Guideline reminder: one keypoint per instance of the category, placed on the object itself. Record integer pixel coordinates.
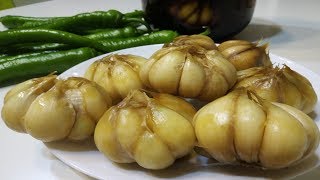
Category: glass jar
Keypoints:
(225, 18)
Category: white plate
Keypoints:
(87, 159)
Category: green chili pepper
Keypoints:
(16, 36)
(94, 31)
(42, 64)
(109, 45)
(135, 13)
(19, 56)
(35, 47)
(159, 37)
(12, 22)
(116, 33)
(19, 40)
(39, 46)
(93, 20)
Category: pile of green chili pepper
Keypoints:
(36, 46)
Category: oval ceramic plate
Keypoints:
(87, 159)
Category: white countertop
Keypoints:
(291, 26)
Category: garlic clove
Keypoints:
(165, 124)
(214, 130)
(106, 140)
(102, 76)
(217, 87)
(144, 72)
(192, 79)
(89, 101)
(247, 145)
(49, 117)
(175, 103)
(165, 73)
(129, 122)
(235, 50)
(123, 77)
(247, 59)
(95, 100)
(225, 67)
(19, 98)
(150, 152)
(91, 71)
(282, 129)
(290, 94)
(227, 44)
(82, 128)
(308, 95)
(312, 130)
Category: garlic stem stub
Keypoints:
(190, 72)
(117, 74)
(54, 109)
(281, 85)
(194, 40)
(243, 127)
(148, 128)
(244, 54)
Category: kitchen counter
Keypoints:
(292, 28)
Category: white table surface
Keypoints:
(292, 27)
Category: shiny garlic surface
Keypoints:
(189, 71)
(194, 40)
(19, 98)
(148, 128)
(117, 74)
(280, 85)
(244, 54)
(69, 109)
(242, 127)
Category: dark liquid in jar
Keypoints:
(225, 18)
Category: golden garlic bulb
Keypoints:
(195, 40)
(18, 99)
(66, 109)
(117, 74)
(192, 13)
(243, 54)
(280, 85)
(150, 129)
(189, 71)
(242, 127)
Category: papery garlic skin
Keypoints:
(241, 127)
(279, 85)
(18, 99)
(145, 130)
(117, 74)
(194, 40)
(243, 54)
(51, 109)
(189, 71)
